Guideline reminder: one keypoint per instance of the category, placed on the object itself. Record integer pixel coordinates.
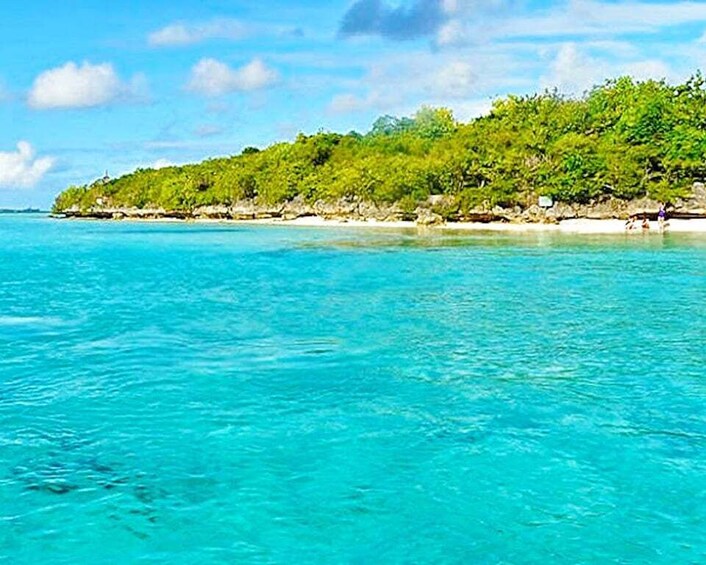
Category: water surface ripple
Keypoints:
(220, 394)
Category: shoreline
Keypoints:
(574, 226)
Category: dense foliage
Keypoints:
(625, 138)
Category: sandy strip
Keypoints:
(618, 226)
(578, 226)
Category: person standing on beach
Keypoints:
(662, 217)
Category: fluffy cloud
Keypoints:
(161, 164)
(574, 71)
(84, 86)
(187, 34)
(432, 78)
(20, 168)
(470, 109)
(399, 84)
(453, 32)
(375, 17)
(214, 78)
(456, 79)
(650, 69)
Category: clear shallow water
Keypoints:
(187, 394)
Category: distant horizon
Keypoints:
(26, 209)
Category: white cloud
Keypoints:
(613, 48)
(463, 109)
(20, 168)
(648, 15)
(84, 86)
(702, 39)
(453, 32)
(449, 6)
(161, 164)
(573, 71)
(456, 79)
(347, 103)
(470, 7)
(650, 69)
(467, 110)
(572, 18)
(214, 78)
(186, 34)
(399, 84)
(397, 81)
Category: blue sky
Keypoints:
(114, 85)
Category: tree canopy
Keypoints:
(625, 139)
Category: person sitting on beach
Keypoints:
(645, 222)
(630, 223)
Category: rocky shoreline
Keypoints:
(437, 210)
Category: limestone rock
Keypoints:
(533, 214)
(296, 208)
(217, 212)
(243, 210)
(343, 208)
(478, 214)
(694, 206)
(643, 206)
(560, 211)
(426, 217)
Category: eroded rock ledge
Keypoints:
(436, 210)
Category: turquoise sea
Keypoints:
(224, 394)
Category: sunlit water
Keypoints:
(189, 393)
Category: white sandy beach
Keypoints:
(578, 226)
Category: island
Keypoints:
(21, 211)
(624, 148)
